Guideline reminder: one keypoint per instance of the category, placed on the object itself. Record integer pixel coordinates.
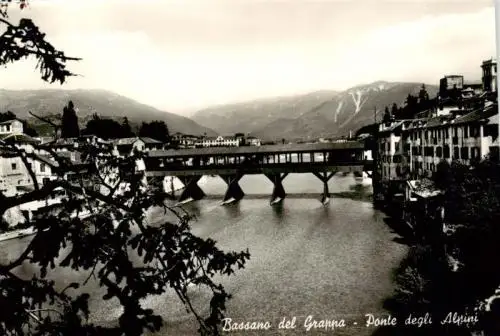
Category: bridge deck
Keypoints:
(305, 167)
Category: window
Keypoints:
(42, 167)
(446, 152)
(494, 153)
(429, 151)
(464, 153)
(456, 152)
(474, 153)
(466, 131)
(13, 166)
(439, 152)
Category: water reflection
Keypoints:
(306, 258)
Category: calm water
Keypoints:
(331, 262)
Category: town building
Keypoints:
(448, 85)
(11, 126)
(184, 140)
(126, 146)
(489, 75)
(253, 141)
(219, 141)
(462, 128)
(16, 175)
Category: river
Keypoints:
(331, 262)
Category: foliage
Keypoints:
(130, 258)
(106, 128)
(471, 204)
(387, 116)
(412, 106)
(113, 241)
(69, 127)
(25, 40)
(126, 129)
(157, 130)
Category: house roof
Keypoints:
(19, 138)
(477, 115)
(46, 159)
(392, 127)
(148, 140)
(10, 121)
(132, 140)
(265, 149)
(62, 142)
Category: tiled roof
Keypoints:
(265, 149)
(9, 121)
(62, 142)
(480, 114)
(476, 115)
(130, 141)
(125, 141)
(150, 140)
(46, 159)
(19, 138)
(392, 127)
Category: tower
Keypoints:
(489, 75)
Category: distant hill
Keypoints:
(87, 102)
(257, 114)
(329, 114)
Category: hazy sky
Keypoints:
(182, 55)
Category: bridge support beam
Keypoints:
(278, 190)
(191, 189)
(325, 177)
(234, 192)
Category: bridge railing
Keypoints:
(165, 166)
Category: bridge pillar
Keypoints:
(191, 188)
(325, 177)
(278, 190)
(234, 192)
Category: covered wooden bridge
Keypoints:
(274, 161)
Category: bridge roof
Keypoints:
(265, 149)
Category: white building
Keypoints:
(15, 176)
(253, 141)
(463, 138)
(11, 126)
(390, 150)
(219, 142)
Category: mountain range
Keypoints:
(321, 114)
(87, 102)
(305, 116)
